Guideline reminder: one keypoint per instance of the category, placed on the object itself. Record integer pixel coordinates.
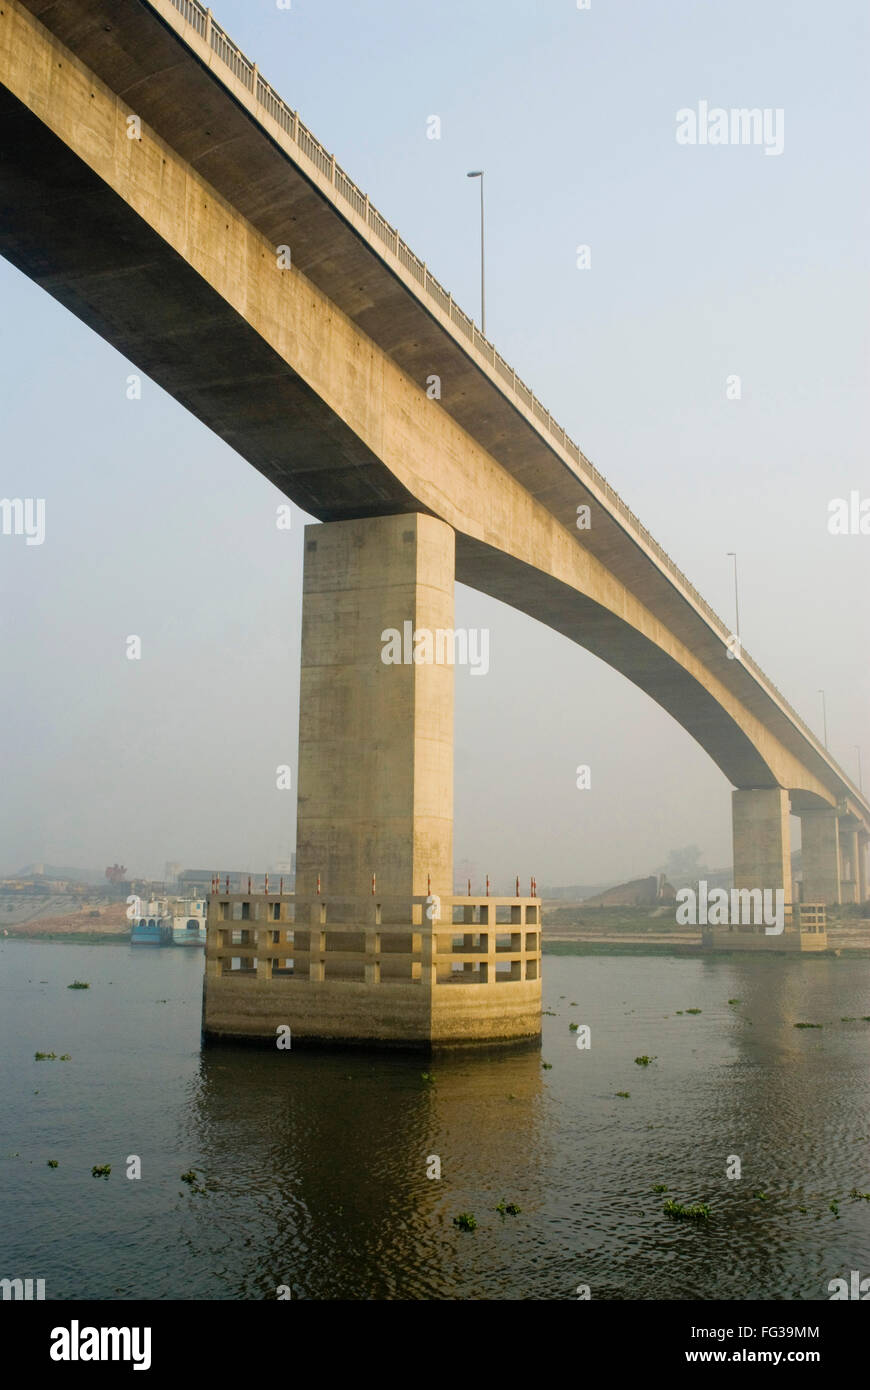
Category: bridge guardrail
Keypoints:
(200, 18)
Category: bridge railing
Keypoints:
(200, 18)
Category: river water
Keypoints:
(312, 1167)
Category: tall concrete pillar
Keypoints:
(762, 839)
(375, 785)
(849, 862)
(820, 856)
(863, 841)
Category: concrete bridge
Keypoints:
(154, 183)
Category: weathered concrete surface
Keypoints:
(375, 739)
(316, 375)
(820, 856)
(849, 869)
(762, 839)
(342, 989)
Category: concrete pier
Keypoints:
(762, 861)
(470, 975)
(849, 869)
(762, 839)
(820, 853)
(374, 949)
(375, 789)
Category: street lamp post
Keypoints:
(824, 716)
(478, 174)
(860, 779)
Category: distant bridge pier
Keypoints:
(762, 860)
(863, 840)
(820, 855)
(849, 866)
(762, 838)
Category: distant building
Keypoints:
(199, 880)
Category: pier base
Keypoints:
(374, 950)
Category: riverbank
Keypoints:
(88, 924)
(575, 930)
(566, 931)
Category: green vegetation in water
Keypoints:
(835, 1207)
(864, 1196)
(660, 1187)
(865, 1018)
(734, 1001)
(644, 1061)
(465, 1221)
(427, 1076)
(79, 984)
(623, 1094)
(101, 1170)
(693, 1011)
(547, 1066)
(573, 1004)
(65, 1057)
(761, 1196)
(548, 1013)
(192, 1180)
(699, 1212)
(573, 1027)
(45, 1056)
(679, 1011)
(809, 1025)
(848, 1018)
(52, 1163)
(510, 1208)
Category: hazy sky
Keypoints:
(706, 261)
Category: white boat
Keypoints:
(188, 921)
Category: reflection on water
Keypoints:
(314, 1165)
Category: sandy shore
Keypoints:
(109, 921)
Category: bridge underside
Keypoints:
(67, 229)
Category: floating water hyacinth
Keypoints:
(699, 1212)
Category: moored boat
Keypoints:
(151, 926)
(188, 922)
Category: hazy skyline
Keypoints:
(705, 262)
